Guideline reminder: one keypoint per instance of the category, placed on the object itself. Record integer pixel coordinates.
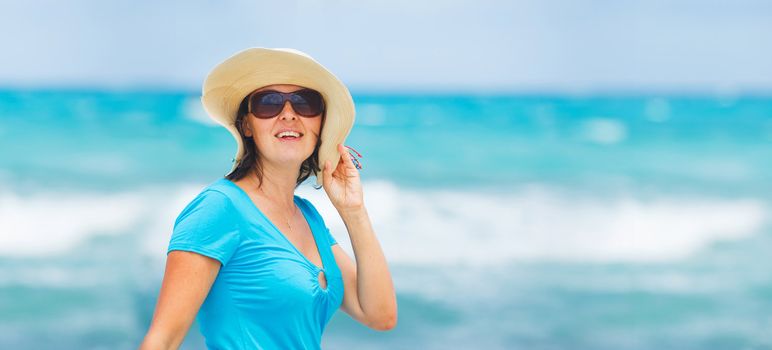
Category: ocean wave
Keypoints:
(52, 222)
(417, 226)
(539, 222)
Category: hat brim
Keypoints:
(233, 79)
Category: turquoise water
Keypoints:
(510, 221)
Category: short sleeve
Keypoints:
(208, 225)
(319, 220)
(330, 237)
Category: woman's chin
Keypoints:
(295, 159)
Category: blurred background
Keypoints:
(541, 174)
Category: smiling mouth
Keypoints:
(288, 138)
(289, 135)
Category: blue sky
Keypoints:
(592, 45)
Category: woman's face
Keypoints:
(283, 150)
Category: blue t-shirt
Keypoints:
(267, 294)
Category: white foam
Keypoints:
(428, 227)
(53, 222)
(539, 223)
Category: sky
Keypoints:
(398, 45)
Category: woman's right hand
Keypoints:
(186, 283)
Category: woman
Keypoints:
(253, 261)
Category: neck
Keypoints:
(278, 183)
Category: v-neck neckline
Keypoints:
(276, 229)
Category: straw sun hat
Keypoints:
(234, 78)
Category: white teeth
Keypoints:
(288, 133)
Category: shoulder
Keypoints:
(308, 206)
(209, 202)
(305, 202)
(214, 195)
(208, 226)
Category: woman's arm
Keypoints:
(186, 283)
(369, 293)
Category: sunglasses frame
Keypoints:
(286, 96)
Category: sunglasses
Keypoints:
(269, 103)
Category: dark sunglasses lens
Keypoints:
(267, 105)
(307, 103)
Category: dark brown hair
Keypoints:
(251, 157)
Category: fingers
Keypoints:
(329, 173)
(345, 157)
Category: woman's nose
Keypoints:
(287, 112)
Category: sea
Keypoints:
(509, 220)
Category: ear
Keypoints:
(245, 126)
